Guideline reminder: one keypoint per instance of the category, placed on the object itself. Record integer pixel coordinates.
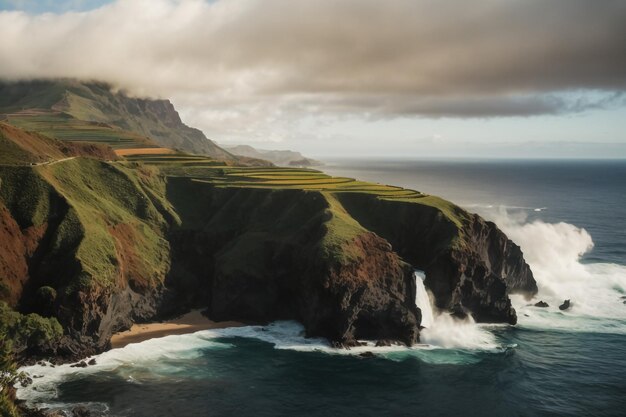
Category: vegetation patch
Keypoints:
(103, 197)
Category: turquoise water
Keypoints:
(569, 218)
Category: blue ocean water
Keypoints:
(570, 219)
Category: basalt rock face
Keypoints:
(262, 255)
(470, 264)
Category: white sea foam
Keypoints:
(137, 355)
(554, 251)
(444, 331)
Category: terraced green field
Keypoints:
(64, 127)
(219, 174)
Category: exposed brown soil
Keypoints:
(42, 148)
(88, 150)
(131, 266)
(16, 247)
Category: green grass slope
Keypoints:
(20, 147)
(64, 127)
(94, 228)
(217, 174)
(119, 221)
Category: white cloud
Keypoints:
(244, 65)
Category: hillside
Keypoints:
(73, 110)
(278, 157)
(20, 147)
(99, 245)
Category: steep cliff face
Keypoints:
(159, 120)
(470, 264)
(261, 255)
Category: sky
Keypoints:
(350, 78)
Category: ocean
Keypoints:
(569, 217)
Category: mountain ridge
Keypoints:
(96, 102)
(278, 157)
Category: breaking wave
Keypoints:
(554, 252)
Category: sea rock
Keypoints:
(81, 411)
(81, 364)
(26, 381)
(542, 304)
(383, 342)
(40, 413)
(92, 362)
(566, 304)
(459, 312)
(367, 354)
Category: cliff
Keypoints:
(470, 264)
(262, 255)
(122, 242)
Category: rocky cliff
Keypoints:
(470, 264)
(262, 255)
(102, 245)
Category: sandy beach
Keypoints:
(191, 322)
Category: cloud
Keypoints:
(377, 58)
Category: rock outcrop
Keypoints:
(469, 263)
(260, 255)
